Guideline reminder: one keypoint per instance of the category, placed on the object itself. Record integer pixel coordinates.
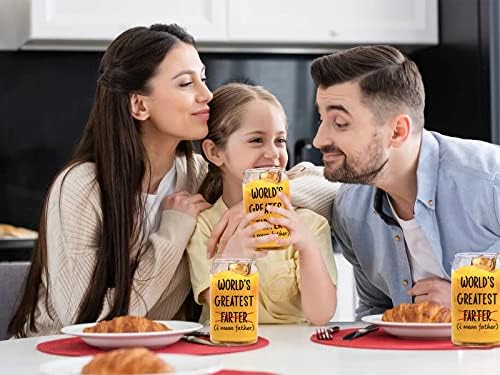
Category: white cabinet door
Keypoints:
(104, 19)
(334, 21)
(92, 24)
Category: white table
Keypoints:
(291, 352)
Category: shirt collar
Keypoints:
(428, 170)
(381, 207)
(220, 204)
(427, 176)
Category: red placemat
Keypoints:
(381, 340)
(237, 372)
(75, 346)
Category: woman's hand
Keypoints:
(301, 236)
(184, 202)
(242, 243)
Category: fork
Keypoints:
(323, 334)
(326, 333)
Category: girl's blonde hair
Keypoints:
(226, 112)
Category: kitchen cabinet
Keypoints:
(16, 249)
(92, 24)
(220, 25)
(97, 19)
(334, 21)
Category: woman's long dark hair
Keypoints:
(112, 141)
(226, 112)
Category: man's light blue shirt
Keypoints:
(457, 206)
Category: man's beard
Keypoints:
(347, 173)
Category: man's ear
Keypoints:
(401, 130)
(212, 152)
(139, 107)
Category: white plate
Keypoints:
(183, 365)
(124, 340)
(411, 330)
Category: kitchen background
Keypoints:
(45, 96)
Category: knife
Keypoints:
(199, 340)
(360, 332)
(202, 341)
(199, 334)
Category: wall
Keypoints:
(457, 73)
(45, 100)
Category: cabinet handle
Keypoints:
(333, 33)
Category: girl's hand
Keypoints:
(242, 243)
(301, 236)
(184, 202)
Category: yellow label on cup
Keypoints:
(259, 193)
(234, 307)
(475, 305)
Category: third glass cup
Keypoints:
(475, 305)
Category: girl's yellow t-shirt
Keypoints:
(279, 292)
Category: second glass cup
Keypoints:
(234, 301)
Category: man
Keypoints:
(413, 198)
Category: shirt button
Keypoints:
(397, 237)
(430, 202)
(405, 282)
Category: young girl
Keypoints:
(248, 129)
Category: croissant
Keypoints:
(423, 312)
(127, 323)
(127, 361)
(10, 231)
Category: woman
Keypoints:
(96, 257)
(116, 221)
